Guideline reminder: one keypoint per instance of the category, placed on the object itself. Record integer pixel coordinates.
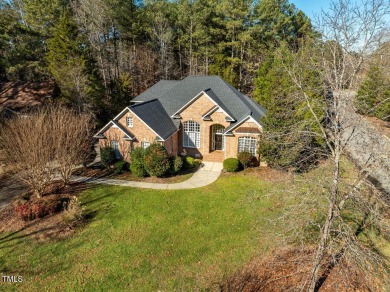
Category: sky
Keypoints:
(311, 7)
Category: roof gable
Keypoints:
(230, 100)
(127, 135)
(155, 117)
(211, 95)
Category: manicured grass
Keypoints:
(148, 240)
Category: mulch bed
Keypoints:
(48, 227)
(97, 172)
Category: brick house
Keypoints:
(201, 116)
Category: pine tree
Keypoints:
(373, 97)
(21, 47)
(290, 133)
(67, 60)
(279, 21)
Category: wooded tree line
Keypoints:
(101, 53)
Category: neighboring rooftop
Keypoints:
(19, 96)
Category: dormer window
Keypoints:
(129, 122)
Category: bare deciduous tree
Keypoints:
(49, 139)
(73, 139)
(350, 33)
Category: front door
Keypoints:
(217, 137)
(218, 141)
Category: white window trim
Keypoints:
(129, 118)
(196, 133)
(143, 143)
(249, 145)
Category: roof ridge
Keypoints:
(143, 103)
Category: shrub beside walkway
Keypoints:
(207, 173)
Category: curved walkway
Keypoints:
(207, 173)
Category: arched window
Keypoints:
(191, 134)
(247, 144)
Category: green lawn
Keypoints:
(150, 240)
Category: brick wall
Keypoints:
(114, 133)
(195, 112)
(140, 131)
(232, 141)
(174, 144)
(171, 144)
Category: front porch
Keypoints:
(214, 156)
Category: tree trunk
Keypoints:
(328, 223)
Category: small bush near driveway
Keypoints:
(30, 210)
(73, 211)
(188, 162)
(231, 165)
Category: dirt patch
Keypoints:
(49, 227)
(289, 269)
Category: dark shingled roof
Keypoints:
(156, 90)
(158, 105)
(155, 116)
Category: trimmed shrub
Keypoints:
(107, 155)
(231, 165)
(137, 166)
(156, 160)
(197, 162)
(246, 158)
(188, 162)
(138, 169)
(176, 164)
(121, 166)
